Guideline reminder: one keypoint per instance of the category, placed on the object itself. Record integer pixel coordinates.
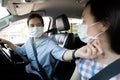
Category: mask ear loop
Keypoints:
(94, 24)
(98, 35)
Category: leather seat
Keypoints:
(62, 37)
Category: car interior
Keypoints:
(61, 17)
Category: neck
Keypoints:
(36, 39)
(108, 55)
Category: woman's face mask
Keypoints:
(35, 31)
(82, 33)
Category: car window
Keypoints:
(17, 32)
(4, 12)
(74, 23)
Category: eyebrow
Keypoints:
(39, 23)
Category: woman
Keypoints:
(47, 49)
(101, 25)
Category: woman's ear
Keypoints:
(105, 25)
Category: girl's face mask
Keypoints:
(82, 33)
(35, 31)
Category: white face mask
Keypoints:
(35, 31)
(82, 33)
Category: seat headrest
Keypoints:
(62, 23)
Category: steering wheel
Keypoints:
(8, 67)
(10, 57)
(5, 58)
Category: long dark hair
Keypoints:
(108, 11)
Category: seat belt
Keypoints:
(108, 72)
(42, 72)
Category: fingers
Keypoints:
(88, 49)
(98, 46)
(92, 51)
(2, 41)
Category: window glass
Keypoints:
(74, 23)
(17, 32)
(4, 12)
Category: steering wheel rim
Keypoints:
(4, 54)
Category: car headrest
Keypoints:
(62, 23)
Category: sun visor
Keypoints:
(6, 2)
(20, 7)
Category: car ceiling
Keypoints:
(71, 8)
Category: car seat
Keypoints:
(64, 39)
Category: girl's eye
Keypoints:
(31, 25)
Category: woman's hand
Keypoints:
(3, 40)
(11, 45)
(90, 51)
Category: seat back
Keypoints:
(62, 37)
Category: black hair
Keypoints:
(35, 15)
(108, 11)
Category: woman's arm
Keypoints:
(76, 75)
(19, 50)
(83, 52)
(89, 51)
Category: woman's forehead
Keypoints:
(86, 15)
(35, 20)
(86, 12)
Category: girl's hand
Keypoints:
(90, 51)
